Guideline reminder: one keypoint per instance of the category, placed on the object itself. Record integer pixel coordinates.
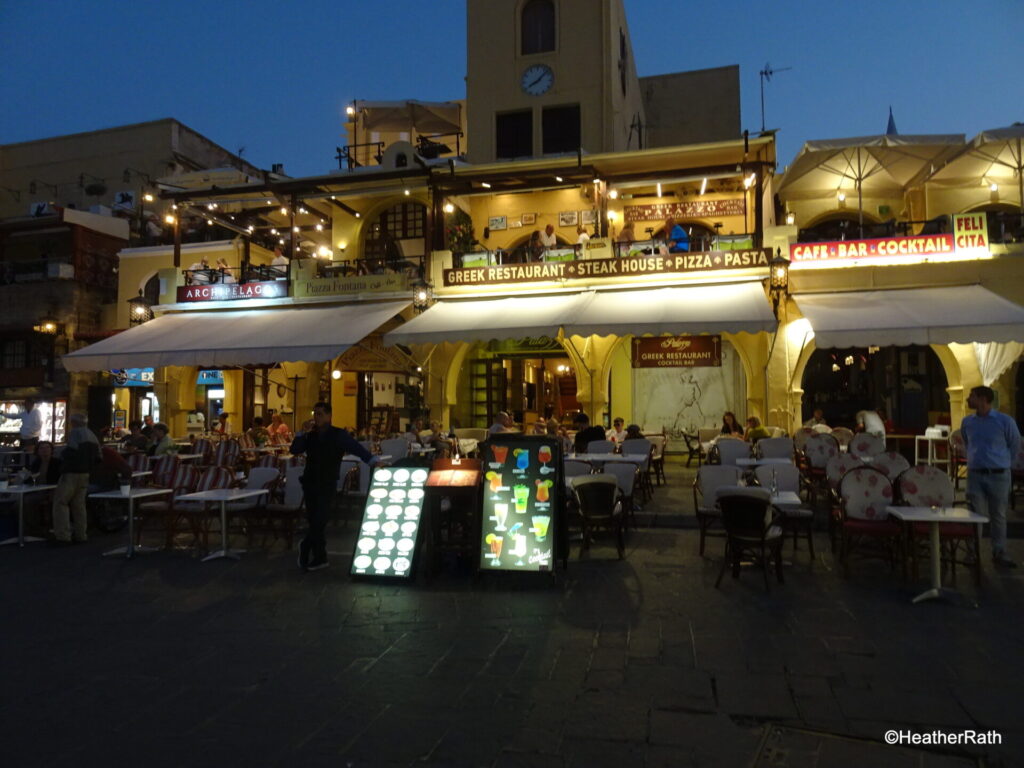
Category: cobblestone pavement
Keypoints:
(167, 661)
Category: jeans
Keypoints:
(318, 506)
(990, 495)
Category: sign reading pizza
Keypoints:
(678, 352)
(624, 266)
(272, 289)
(690, 209)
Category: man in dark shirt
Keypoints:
(324, 446)
(585, 433)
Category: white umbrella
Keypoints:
(993, 156)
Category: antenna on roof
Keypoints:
(766, 75)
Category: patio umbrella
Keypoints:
(993, 156)
(878, 166)
(423, 116)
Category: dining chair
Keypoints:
(396, 448)
(749, 530)
(957, 457)
(836, 468)
(600, 507)
(641, 446)
(709, 478)
(601, 446)
(775, 448)
(864, 494)
(659, 443)
(183, 481)
(843, 436)
(727, 451)
(795, 519)
(283, 516)
(893, 464)
(867, 445)
(625, 474)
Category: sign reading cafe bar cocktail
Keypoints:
(624, 266)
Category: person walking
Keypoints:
(324, 446)
(79, 458)
(992, 441)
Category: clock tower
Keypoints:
(548, 77)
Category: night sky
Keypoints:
(274, 77)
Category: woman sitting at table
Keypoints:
(730, 426)
(258, 432)
(755, 431)
(135, 440)
(633, 432)
(44, 466)
(279, 431)
(222, 428)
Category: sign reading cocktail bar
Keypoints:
(625, 266)
(678, 352)
(272, 289)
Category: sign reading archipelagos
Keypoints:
(272, 289)
(625, 266)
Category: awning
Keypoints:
(728, 308)
(246, 337)
(724, 308)
(960, 314)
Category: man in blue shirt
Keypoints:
(992, 441)
(678, 240)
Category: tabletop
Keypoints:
(786, 499)
(758, 462)
(936, 514)
(26, 488)
(136, 493)
(223, 494)
(146, 473)
(636, 458)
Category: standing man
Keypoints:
(79, 458)
(31, 425)
(871, 422)
(678, 239)
(324, 446)
(992, 441)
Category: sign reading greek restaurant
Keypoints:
(329, 286)
(678, 352)
(273, 289)
(970, 234)
(625, 266)
(690, 209)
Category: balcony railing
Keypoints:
(35, 271)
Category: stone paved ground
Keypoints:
(166, 661)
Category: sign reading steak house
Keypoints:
(273, 289)
(625, 266)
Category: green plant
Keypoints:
(458, 228)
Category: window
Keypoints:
(514, 135)
(402, 221)
(538, 27)
(560, 128)
(15, 354)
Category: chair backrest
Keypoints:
(163, 469)
(471, 433)
(573, 468)
(293, 494)
(343, 473)
(866, 445)
(624, 473)
(774, 448)
(801, 437)
(184, 480)
(893, 464)
(139, 462)
(267, 460)
(659, 442)
(745, 511)
(204, 448)
(730, 450)
(245, 441)
(596, 495)
(843, 435)
(397, 448)
(865, 493)
(838, 466)
(261, 477)
(957, 449)
(215, 478)
(819, 448)
(787, 476)
(713, 476)
(601, 446)
(707, 434)
(925, 486)
(226, 454)
(638, 445)
(368, 445)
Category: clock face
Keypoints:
(537, 79)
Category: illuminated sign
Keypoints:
(386, 544)
(634, 264)
(329, 286)
(133, 377)
(677, 352)
(520, 510)
(691, 209)
(272, 289)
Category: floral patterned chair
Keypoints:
(864, 493)
(835, 470)
(893, 464)
(819, 448)
(711, 477)
(801, 437)
(957, 457)
(867, 446)
(843, 435)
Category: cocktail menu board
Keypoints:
(386, 545)
(522, 483)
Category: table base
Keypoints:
(129, 552)
(21, 541)
(947, 595)
(233, 554)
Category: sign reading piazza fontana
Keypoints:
(625, 266)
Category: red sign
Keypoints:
(677, 352)
(273, 289)
(922, 245)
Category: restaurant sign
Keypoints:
(689, 209)
(625, 266)
(272, 289)
(970, 234)
(330, 286)
(677, 352)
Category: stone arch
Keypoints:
(371, 215)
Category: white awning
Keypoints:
(246, 337)
(959, 314)
(728, 308)
(723, 308)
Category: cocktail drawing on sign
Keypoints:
(500, 454)
(544, 457)
(495, 542)
(543, 496)
(522, 498)
(494, 478)
(500, 516)
(540, 526)
(522, 458)
(518, 549)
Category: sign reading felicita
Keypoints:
(678, 352)
(633, 265)
(271, 289)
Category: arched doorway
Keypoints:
(701, 238)
(404, 221)
(1005, 222)
(906, 384)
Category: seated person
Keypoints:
(678, 240)
(633, 432)
(279, 431)
(258, 432)
(163, 444)
(548, 239)
(111, 472)
(412, 435)
(585, 433)
(135, 440)
(502, 423)
(817, 419)
(755, 431)
(539, 428)
(730, 426)
(225, 271)
(222, 427)
(44, 466)
(279, 264)
(200, 272)
(618, 431)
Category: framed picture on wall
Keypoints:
(529, 218)
(568, 218)
(588, 216)
(515, 223)
(497, 223)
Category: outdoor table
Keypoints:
(263, 449)
(181, 456)
(224, 495)
(934, 516)
(137, 475)
(601, 458)
(759, 462)
(785, 499)
(135, 493)
(20, 491)
(423, 451)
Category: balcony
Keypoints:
(34, 271)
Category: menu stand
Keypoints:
(452, 528)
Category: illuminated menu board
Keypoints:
(522, 476)
(386, 544)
